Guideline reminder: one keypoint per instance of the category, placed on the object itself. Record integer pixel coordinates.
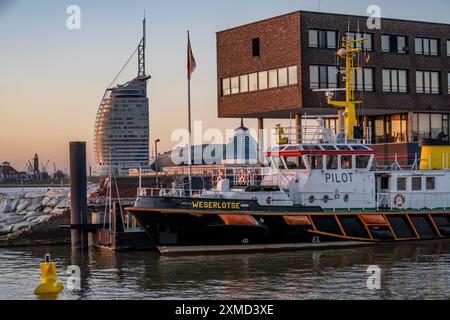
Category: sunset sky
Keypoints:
(52, 78)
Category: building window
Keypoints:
(243, 82)
(292, 75)
(448, 81)
(253, 81)
(390, 129)
(393, 44)
(427, 46)
(448, 48)
(234, 85)
(322, 77)
(256, 47)
(283, 77)
(322, 39)
(427, 82)
(226, 88)
(273, 78)
(262, 80)
(426, 125)
(416, 183)
(395, 80)
(364, 79)
(368, 45)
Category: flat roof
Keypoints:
(332, 14)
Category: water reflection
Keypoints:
(409, 271)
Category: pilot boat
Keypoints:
(318, 191)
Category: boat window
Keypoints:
(275, 149)
(416, 184)
(329, 148)
(277, 163)
(430, 183)
(332, 162)
(362, 162)
(311, 148)
(343, 147)
(384, 182)
(401, 184)
(346, 162)
(359, 148)
(315, 162)
(295, 163)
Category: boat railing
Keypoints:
(318, 134)
(168, 192)
(353, 200)
(250, 176)
(412, 161)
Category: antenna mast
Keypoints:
(141, 52)
(349, 52)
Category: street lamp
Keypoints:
(156, 161)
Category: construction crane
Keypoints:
(44, 168)
(30, 168)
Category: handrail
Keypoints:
(356, 200)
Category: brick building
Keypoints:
(268, 69)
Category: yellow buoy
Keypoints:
(49, 278)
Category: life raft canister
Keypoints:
(399, 200)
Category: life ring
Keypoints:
(399, 200)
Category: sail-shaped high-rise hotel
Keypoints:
(121, 137)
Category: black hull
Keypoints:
(174, 226)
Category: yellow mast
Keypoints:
(349, 51)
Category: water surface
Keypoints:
(409, 271)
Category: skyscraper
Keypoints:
(121, 137)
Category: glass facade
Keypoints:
(396, 128)
(262, 80)
(389, 129)
(121, 137)
(429, 125)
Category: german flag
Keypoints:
(190, 59)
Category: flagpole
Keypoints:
(190, 130)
